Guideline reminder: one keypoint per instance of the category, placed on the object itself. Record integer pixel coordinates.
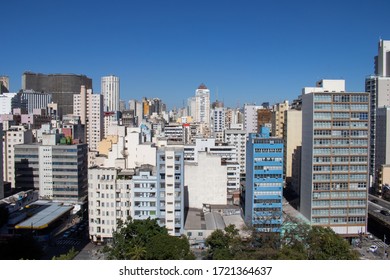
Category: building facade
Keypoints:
(170, 182)
(202, 105)
(61, 86)
(89, 107)
(335, 158)
(57, 169)
(264, 182)
(111, 93)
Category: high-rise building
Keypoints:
(89, 107)
(170, 182)
(202, 104)
(278, 118)
(61, 86)
(250, 118)
(378, 86)
(382, 144)
(12, 137)
(237, 138)
(335, 157)
(111, 93)
(292, 136)
(133, 193)
(264, 182)
(57, 169)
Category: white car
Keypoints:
(373, 248)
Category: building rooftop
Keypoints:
(46, 213)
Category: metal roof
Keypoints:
(46, 213)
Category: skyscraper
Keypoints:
(378, 85)
(335, 154)
(89, 107)
(111, 94)
(202, 104)
(264, 182)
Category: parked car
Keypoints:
(373, 248)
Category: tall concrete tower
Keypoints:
(111, 93)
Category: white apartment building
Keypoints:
(170, 182)
(9, 101)
(118, 194)
(250, 118)
(89, 107)
(202, 105)
(111, 93)
(14, 136)
(237, 138)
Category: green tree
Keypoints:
(324, 244)
(145, 239)
(166, 247)
(72, 253)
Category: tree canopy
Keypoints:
(146, 240)
(297, 242)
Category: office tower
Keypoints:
(111, 93)
(278, 118)
(170, 182)
(59, 170)
(335, 141)
(202, 104)
(12, 137)
(378, 86)
(34, 100)
(264, 182)
(250, 118)
(61, 86)
(89, 107)
(292, 137)
(1, 165)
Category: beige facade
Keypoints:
(278, 118)
(292, 136)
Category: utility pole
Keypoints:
(384, 247)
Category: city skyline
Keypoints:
(244, 52)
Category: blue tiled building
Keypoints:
(264, 182)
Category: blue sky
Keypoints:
(247, 51)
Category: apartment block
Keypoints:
(170, 181)
(335, 159)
